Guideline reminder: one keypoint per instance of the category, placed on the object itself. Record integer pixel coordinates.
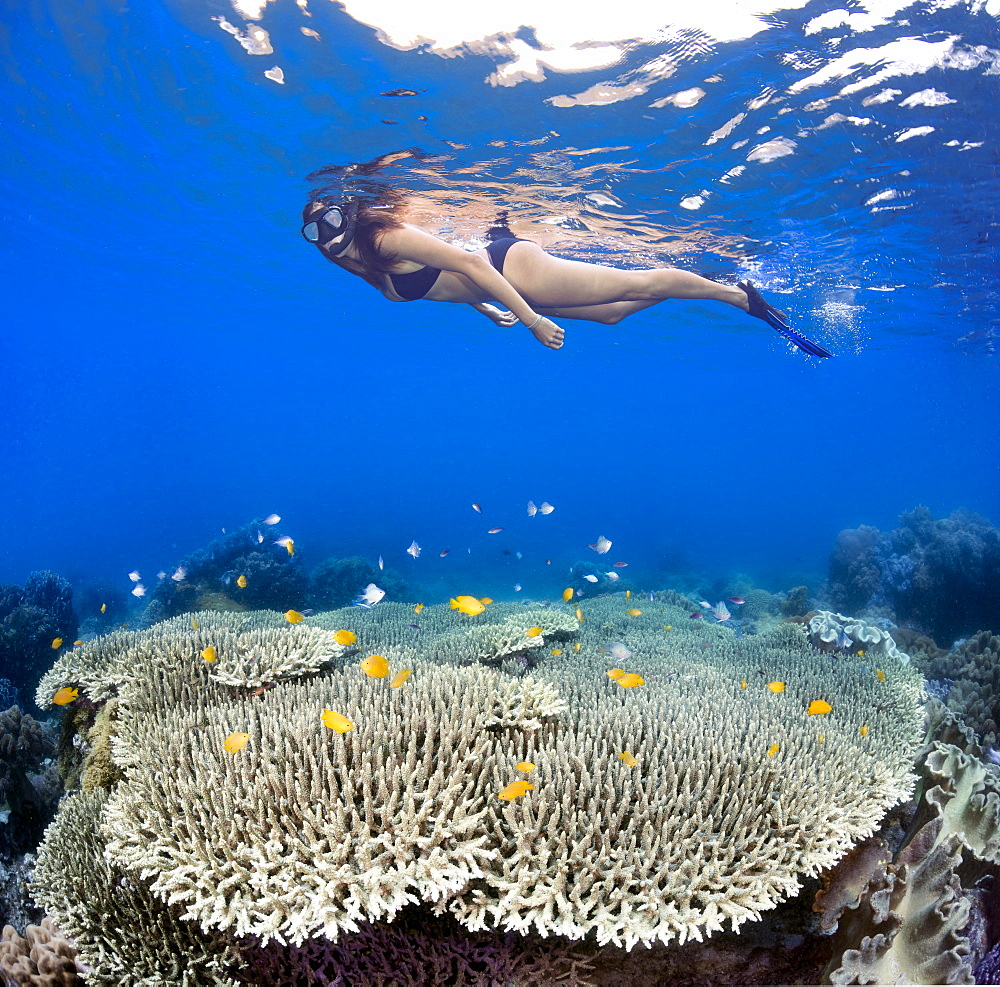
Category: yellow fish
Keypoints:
(668, 627)
(209, 654)
(236, 742)
(294, 617)
(65, 696)
(194, 625)
(557, 651)
(630, 679)
(772, 750)
(861, 654)
(524, 766)
(628, 595)
(76, 644)
(56, 642)
(818, 707)
(104, 608)
(880, 674)
(288, 543)
(486, 600)
(576, 647)
(776, 686)
(336, 721)
(345, 637)
(533, 632)
(375, 667)
(635, 612)
(743, 684)
(418, 608)
(567, 594)
(514, 790)
(863, 730)
(467, 604)
(241, 581)
(400, 677)
(822, 737)
(616, 673)
(579, 615)
(628, 759)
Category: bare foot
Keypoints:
(548, 333)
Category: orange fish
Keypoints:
(400, 677)
(630, 680)
(628, 595)
(209, 654)
(65, 696)
(533, 632)
(628, 759)
(486, 600)
(104, 608)
(616, 673)
(467, 605)
(524, 766)
(818, 707)
(772, 750)
(776, 686)
(241, 581)
(418, 608)
(336, 721)
(56, 642)
(579, 615)
(514, 790)
(567, 594)
(345, 637)
(743, 684)
(375, 667)
(76, 644)
(236, 742)
(635, 612)
(863, 730)
(294, 617)
(287, 542)
(880, 674)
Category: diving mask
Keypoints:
(333, 230)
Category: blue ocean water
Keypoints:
(176, 361)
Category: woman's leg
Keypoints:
(609, 315)
(552, 283)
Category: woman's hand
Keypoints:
(547, 333)
(496, 315)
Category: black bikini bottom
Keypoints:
(496, 250)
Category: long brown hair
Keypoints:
(379, 209)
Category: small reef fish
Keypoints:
(77, 644)
(180, 574)
(739, 601)
(576, 647)
(618, 565)
(628, 759)
(601, 546)
(161, 574)
(514, 790)
(705, 604)
(209, 653)
(414, 549)
(134, 576)
(532, 510)
(443, 552)
(370, 595)
(818, 707)
(104, 608)
(416, 627)
(467, 605)
(629, 680)
(260, 537)
(241, 581)
(533, 632)
(696, 615)
(381, 564)
(628, 595)
(863, 730)
(345, 638)
(65, 696)
(578, 613)
(743, 683)
(236, 742)
(271, 519)
(772, 750)
(635, 612)
(545, 507)
(611, 575)
(418, 608)
(720, 611)
(486, 600)
(294, 617)
(843, 641)
(400, 677)
(619, 652)
(56, 643)
(590, 578)
(776, 686)
(375, 667)
(557, 651)
(524, 766)
(567, 594)
(668, 627)
(336, 721)
(548, 561)
(351, 653)
(286, 543)
(615, 673)
(478, 508)
(139, 590)
(517, 587)
(494, 531)
(880, 675)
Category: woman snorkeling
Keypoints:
(364, 233)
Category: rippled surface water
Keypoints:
(178, 356)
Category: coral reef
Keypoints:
(42, 957)
(941, 577)
(336, 583)
(31, 619)
(307, 833)
(29, 788)
(973, 672)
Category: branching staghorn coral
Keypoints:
(737, 794)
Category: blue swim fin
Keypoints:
(760, 309)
